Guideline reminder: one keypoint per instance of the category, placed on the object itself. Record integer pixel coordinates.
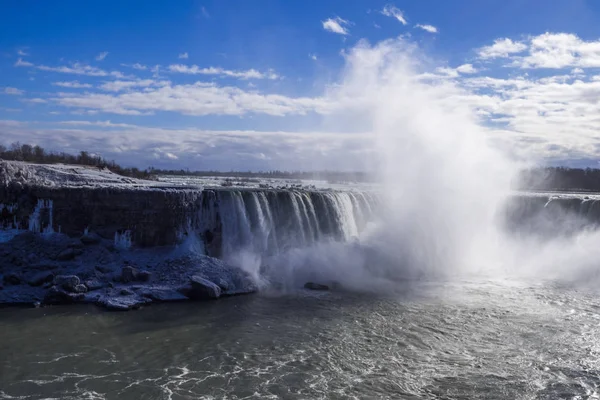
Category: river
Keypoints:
(464, 339)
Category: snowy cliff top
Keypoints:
(61, 175)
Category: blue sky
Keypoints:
(244, 84)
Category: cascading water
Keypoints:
(271, 222)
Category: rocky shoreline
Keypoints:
(49, 269)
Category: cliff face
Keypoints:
(73, 200)
(153, 217)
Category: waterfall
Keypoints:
(268, 222)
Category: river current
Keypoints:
(464, 339)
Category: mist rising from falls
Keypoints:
(441, 209)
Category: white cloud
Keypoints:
(103, 124)
(428, 28)
(138, 66)
(36, 100)
(117, 86)
(21, 63)
(13, 91)
(313, 57)
(184, 56)
(194, 99)
(560, 50)
(394, 12)
(248, 74)
(336, 25)
(80, 69)
(73, 85)
(577, 71)
(75, 69)
(22, 53)
(101, 56)
(205, 13)
(466, 69)
(501, 48)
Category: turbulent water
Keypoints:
(468, 339)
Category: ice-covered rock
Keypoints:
(201, 288)
(94, 284)
(67, 282)
(57, 295)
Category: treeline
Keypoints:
(331, 176)
(38, 155)
(560, 179)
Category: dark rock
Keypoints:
(40, 278)
(144, 276)
(66, 255)
(57, 295)
(11, 279)
(202, 288)
(105, 269)
(94, 284)
(126, 292)
(163, 294)
(81, 288)
(90, 238)
(315, 286)
(121, 303)
(129, 274)
(67, 282)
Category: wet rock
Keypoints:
(11, 279)
(126, 292)
(67, 282)
(163, 294)
(94, 284)
(56, 295)
(66, 255)
(202, 288)
(41, 278)
(315, 286)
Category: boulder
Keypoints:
(105, 269)
(67, 282)
(202, 288)
(66, 254)
(131, 274)
(126, 292)
(94, 284)
(162, 294)
(57, 295)
(122, 303)
(81, 288)
(144, 276)
(41, 278)
(11, 279)
(315, 286)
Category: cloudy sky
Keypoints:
(237, 84)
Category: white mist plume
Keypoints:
(444, 190)
(443, 182)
